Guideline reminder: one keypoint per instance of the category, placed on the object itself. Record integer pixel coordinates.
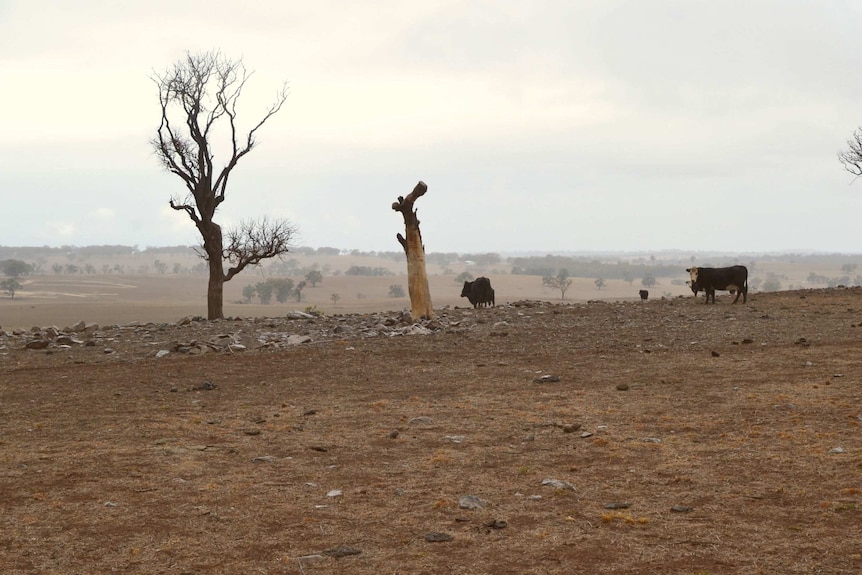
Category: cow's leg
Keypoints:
(734, 289)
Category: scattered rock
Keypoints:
(295, 314)
(471, 502)
(421, 420)
(622, 387)
(496, 524)
(558, 484)
(616, 505)
(715, 354)
(341, 551)
(437, 537)
(680, 509)
(547, 379)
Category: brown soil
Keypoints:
(686, 439)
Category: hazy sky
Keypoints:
(544, 125)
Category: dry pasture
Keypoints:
(685, 438)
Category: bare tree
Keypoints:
(417, 276)
(201, 92)
(561, 281)
(852, 156)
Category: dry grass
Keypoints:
(106, 469)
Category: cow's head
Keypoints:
(693, 272)
(468, 288)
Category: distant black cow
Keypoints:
(479, 292)
(734, 278)
(644, 294)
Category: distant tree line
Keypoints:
(552, 266)
(280, 288)
(368, 271)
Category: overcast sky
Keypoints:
(547, 125)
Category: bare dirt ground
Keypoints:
(606, 437)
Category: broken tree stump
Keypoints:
(417, 277)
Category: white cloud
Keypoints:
(106, 214)
(59, 232)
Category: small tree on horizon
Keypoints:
(463, 277)
(298, 291)
(15, 268)
(283, 288)
(248, 292)
(10, 286)
(772, 283)
(314, 277)
(198, 98)
(561, 281)
(264, 291)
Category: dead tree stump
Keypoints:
(417, 277)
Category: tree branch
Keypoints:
(254, 241)
(405, 205)
(852, 157)
(190, 210)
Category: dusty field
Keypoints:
(683, 438)
(64, 300)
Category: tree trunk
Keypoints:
(215, 291)
(417, 277)
(215, 287)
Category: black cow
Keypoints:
(479, 292)
(734, 278)
(644, 294)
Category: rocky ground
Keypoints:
(607, 437)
